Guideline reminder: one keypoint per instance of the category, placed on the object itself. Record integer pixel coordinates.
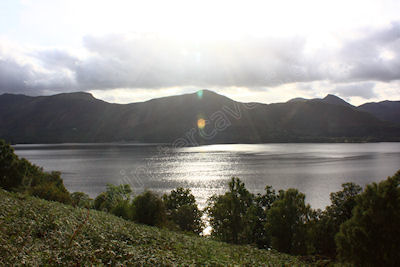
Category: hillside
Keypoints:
(79, 117)
(385, 110)
(329, 99)
(388, 111)
(38, 232)
(334, 100)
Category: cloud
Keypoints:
(33, 72)
(13, 76)
(56, 59)
(376, 56)
(364, 90)
(151, 61)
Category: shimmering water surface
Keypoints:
(315, 169)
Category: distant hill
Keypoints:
(334, 100)
(79, 117)
(385, 110)
(297, 99)
(329, 99)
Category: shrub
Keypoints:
(183, 211)
(256, 218)
(50, 191)
(148, 208)
(10, 176)
(372, 236)
(326, 224)
(99, 201)
(82, 200)
(20, 175)
(123, 209)
(286, 222)
(114, 194)
(227, 213)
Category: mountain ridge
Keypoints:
(385, 110)
(203, 117)
(327, 98)
(335, 100)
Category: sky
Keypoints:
(251, 51)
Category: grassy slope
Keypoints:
(39, 232)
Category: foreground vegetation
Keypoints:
(38, 232)
(359, 227)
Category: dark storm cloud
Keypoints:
(40, 74)
(13, 76)
(56, 59)
(366, 58)
(153, 61)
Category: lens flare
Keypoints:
(201, 123)
(200, 94)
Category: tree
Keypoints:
(82, 200)
(20, 175)
(49, 186)
(286, 222)
(183, 211)
(148, 208)
(256, 218)
(227, 213)
(122, 209)
(99, 201)
(343, 202)
(114, 194)
(9, 175)
(51, 192)
(327, 223)
(372, 236)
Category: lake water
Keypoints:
(314, 169)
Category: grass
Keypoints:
(39, 232)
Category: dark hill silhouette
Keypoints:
(385, 110)
(334, 100)
(329, 99)
(79, 117)
(297, 99)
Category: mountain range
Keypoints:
(203, 117)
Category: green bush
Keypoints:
(372, 236)
(20, 175)
(10, 173)
(239, 216)
(50, 191)
(287, 222)
(99, 201)
(183, 211)
(111, 198)
(148, 208)
(82, 200)
(326, 224)
(256, 218)
(123, 209)
(227, 213)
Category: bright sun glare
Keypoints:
(235, 37)
(213, 20)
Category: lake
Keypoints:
(314, 169)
